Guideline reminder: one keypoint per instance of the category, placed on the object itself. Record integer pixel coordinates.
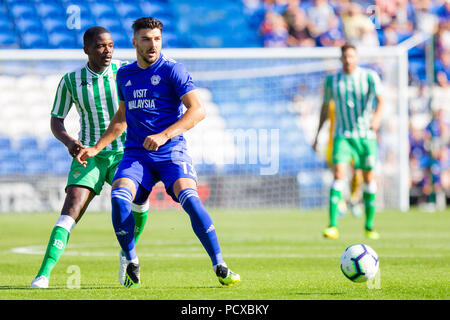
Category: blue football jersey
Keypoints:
(152, 98)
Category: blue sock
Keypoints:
(123, 220)
(201, 223)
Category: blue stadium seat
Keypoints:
(5, 23)
(9, 155)
(50, 9)
(5, 143)
(112, 24)
(22, 10)
(32, 155)
(52, 24)
(36, 167)
(104, 9)
(11, 168)
(128, 10)
(27, 143)
(34, 40)
(28, 25)
(154, 9)
(62, 40)
(121, 40)
(8, 39)
(61, 167)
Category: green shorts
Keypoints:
(362, 151)
(98, 170)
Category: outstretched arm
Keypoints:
(323, 117)
(378, 114)
(117, 125)
(194, 114)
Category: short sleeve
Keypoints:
(63, 100)
(327, 89)
(181, 80)
(375, 83)
(119, 86)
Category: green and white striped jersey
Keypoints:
(354, 99)
(96, 99)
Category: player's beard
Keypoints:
(143, 54)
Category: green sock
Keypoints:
(369, 204)
(335, 198)
(56, 245)
(432, 197)
(140, 219)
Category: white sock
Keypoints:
(135, 261)
(220, 264)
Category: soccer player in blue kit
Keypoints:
(152, 91)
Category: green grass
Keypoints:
(279, 254)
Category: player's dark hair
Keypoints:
(147, 23)
(347, 46)
(92, 33)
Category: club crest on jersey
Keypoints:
(155, 79)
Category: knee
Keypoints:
(370, 187)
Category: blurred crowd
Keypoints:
(316, 23)
(291, 23)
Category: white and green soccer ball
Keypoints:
(359, 263)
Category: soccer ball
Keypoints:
(359, 263)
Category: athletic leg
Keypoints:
(185, 190)
(75, 204)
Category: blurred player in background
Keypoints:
(92, 88)
(437, 139)
(355, 199)
(353, 90)
(152, 92)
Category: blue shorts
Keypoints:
(145, 171)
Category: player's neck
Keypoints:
(144, 64)
(96, 69)
(349, 71)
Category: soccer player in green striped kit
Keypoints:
(359, 105)
(92, 89)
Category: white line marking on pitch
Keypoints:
(40, 250)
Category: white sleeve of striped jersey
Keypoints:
(63, 101)
(378, 86)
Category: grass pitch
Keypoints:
(280, 255)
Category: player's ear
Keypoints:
(86, 50)
(133, 41)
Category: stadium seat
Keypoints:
(34, 40)
(23, 10)
(128, 10)
(154, 9)
(5, 142)
(100, 9)
(27, 143)
(50, 9)
(36, 167)
(62, 40)
(11, 168)
(28, 25)
(7, 39)
(52, 24)
(113, 24)
(121, 40)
